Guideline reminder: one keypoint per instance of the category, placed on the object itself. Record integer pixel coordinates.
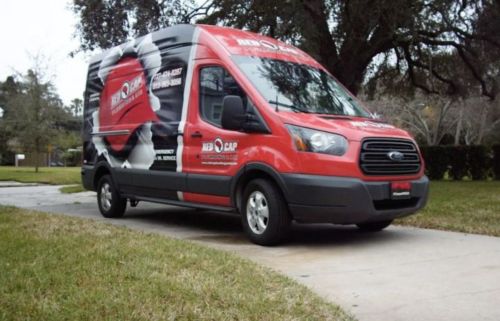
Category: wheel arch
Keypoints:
(252, 171)
(102, 168)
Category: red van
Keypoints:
(228, 120)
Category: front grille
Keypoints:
(374, 158)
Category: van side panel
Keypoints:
(133, 108)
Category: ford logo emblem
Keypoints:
(396, 156)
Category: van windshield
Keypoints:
(298, 87)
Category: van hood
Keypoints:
(353, 128)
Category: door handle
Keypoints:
(196, 134)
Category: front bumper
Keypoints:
(341, 200)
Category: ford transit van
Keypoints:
(228, 120)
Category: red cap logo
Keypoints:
(124, 103)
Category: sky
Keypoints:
(45, 28)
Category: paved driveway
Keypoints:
(398, 274)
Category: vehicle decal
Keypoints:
(370, 124)
(219, 152)
(185, 105)
(125, 105)
(137, 92)
(266, 44)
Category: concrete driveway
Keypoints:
(398, 274)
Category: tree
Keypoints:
(478, 120)
(105, 23)
(8, 89)
(76, 107)
(463, 113)
(437, 119)
(347, 37)
(428, 117)
(33, 113)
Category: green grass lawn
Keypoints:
(467, 206)
(59, 268)
(46, 175)
(68, 189)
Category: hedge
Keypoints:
(496, 161)
(436, 161)
(477, 162)
(458, 162)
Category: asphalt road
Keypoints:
(398, 274)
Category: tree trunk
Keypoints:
(348, 61)
(37, 154)
(482, 125)
(458, 129)
(350, 69)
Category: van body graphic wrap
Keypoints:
(135, 99)
(206, 116)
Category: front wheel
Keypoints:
(265, 215)
(111, 205)
(374, 226)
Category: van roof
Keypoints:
(233, 41)
(181, 34)
(246, 43)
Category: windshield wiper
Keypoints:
(292, 107)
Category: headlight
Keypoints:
(310, 140)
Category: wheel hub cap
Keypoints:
(257, 212)
(106, 196)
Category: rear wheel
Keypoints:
(265, 215)
(374, 226)
(110, 203)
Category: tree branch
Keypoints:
(411, 73)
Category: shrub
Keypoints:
(496, 161)
(478, 162)
(7, 158)
(436, 161)
(73, 158)
(457, 156)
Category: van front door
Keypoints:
(213, 155)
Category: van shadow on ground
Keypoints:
(226, 228)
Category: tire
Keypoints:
(374, 226)
(264, 213)
(111, 204)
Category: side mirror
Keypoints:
(233, 113)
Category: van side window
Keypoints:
(215, 84)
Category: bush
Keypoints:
(478, 160)
(436, 161)
(457, 156)
(7, 158)
(73, 158)
(496, 161)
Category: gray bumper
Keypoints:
(340, 200)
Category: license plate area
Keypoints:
(400, 190)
